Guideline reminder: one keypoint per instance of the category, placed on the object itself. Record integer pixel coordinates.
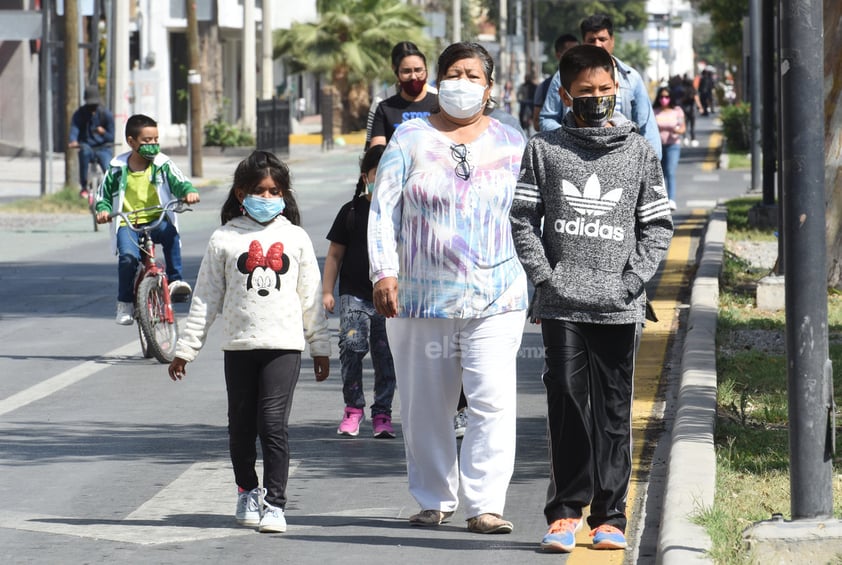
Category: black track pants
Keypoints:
(588, 376)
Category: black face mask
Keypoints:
(594, 111)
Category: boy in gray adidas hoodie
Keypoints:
(598, 187)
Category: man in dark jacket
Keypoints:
(92, 131)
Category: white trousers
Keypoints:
(433, 359)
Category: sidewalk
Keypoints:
(20, 177)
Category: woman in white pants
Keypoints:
(446, 274)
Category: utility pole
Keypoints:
(194, 82)
(71, 87)
(457, 21)
(768, 121)
(249, 101)
(45, 59)
(266, 70)
(809, 383)
(811, 408)
(119, 40)
(503, 62)
(755, 83)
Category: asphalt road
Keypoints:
(103, 458)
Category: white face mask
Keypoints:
(461, 98)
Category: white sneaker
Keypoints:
(273, 519)
(179, 291)
(125, 313)
(672, 205)
(695, 143)
(248, 507)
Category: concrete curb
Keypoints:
(691, 471)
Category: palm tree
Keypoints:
(351, 44)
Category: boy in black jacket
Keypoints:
(598, 187)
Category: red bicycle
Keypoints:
(96, 173)
(156, 323)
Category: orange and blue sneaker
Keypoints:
(561, 537)
(608, 537)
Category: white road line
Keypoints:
(701, 203)
(198, 505)
(204, 488)
(62, 380)
(712, 177)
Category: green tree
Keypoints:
(632, 53)
(557, 17)
(726, 17)
(351, 44)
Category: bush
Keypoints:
(736, 126)
(220, 133)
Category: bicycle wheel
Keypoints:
(144, 345)
(152, 308)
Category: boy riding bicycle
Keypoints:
(138, 179)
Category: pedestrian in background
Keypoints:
(260, 274)
(685, 95)
(670, 118)
(92, 131)
(413, 100)
(447, 278)
(561, 45)
(361, 328)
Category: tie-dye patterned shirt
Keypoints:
(448, 240)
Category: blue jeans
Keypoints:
(360, 327)
(127, 247)
(669, 162)
(87, 154)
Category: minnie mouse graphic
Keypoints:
(264, 271)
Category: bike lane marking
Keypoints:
(63, 380)
(198, 505)
(650, 369)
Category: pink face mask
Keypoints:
(664, 100)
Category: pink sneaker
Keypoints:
(382, 424)
(350, 425)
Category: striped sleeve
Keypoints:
(653, 210)
(654, 221)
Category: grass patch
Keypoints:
(66, 201)
(739, 228)
(751, 439)
(739, 160)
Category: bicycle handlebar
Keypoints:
(178, 206)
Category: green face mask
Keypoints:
(148, 150)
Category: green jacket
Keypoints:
(168, 179)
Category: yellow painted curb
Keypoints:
(711, 161)
(355, 138)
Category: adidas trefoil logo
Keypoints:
(591, 202)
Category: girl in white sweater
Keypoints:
(260, 274)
